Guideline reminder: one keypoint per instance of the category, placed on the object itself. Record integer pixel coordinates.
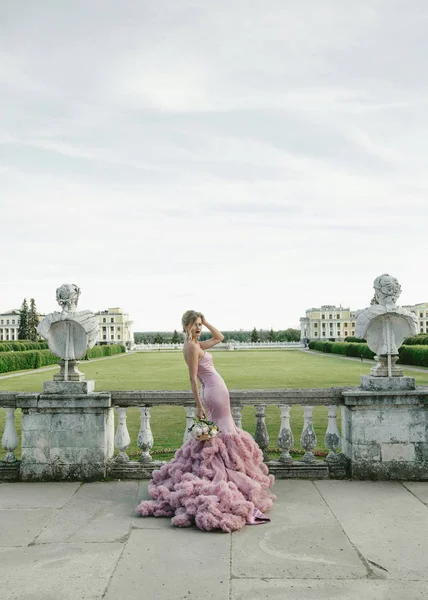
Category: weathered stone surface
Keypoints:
(98, 512)
(398, 451)
(420, 490)
(370, 383)
(178, 563)
(303, 540)
(315, 589)
(386, 524)
(57, 571)
(384, 435)
(68, 387)
(36, 495)
(21, 527)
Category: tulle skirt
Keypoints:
(221, 483)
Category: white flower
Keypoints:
(197, 431)
(205, 429)
(214, 432)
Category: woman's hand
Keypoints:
(203, 319)
(200, 413)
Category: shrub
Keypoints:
(26, 359)
(20, 345)
(344, 348)
(413, 355)
(357, 340)
(416, 340)
(34, 359)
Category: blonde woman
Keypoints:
(221, 483)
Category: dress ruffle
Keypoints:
(221, 483)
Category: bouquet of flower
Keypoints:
(203, 430)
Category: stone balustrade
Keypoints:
(385, 432)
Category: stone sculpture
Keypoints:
(385, 326)
(69, 333)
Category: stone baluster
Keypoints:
(190, 417)
(122, 439)
(285, 437)
(332, 435)
(261, 434)
(10, 440)
(308, 439)
(145, 436)
(237, 415)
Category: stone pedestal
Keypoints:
(385, 429)
(66, 434)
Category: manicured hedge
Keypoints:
(98, 351)
(408, 354)
(357, 340)
(34, 359)
(417, 340)
(27, 359)
(19, 346)
(413, 355)
(344, 348)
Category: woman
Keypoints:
(221, 483)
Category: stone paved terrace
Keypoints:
(328, 539)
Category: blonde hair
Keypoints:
(187, 319)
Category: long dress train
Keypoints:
(221, 483)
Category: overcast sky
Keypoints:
(249, 158)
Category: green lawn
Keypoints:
(241, 370)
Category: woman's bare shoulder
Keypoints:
(190, 350)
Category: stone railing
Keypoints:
(308, 466)
(9, 465)
(231, 345)
(72, 436)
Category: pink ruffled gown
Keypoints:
(221, 483)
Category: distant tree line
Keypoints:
(256, 335)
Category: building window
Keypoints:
(7, 322)
(337, 316)
(322, 316)
(13, 321)
(421, 315)
(330, 316)
(118, 337)
(316, 334)
(353, 324)
(345, 324)
(104, 320)
(315, 324)
(104, 337)
(112, 320)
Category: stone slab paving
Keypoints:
(100, 512)
(387, 524)
(303, 540)
(328, 539)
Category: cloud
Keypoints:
(251, 159)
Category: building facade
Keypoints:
(336, 323)
(327, 323)
(9, 323)
(421, 312)
(115, 327)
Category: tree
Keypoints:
(254, 336)
(23, 321)
(159, 339)
(293, 335)
(175, 337)
(33, 321)
(272, 335)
